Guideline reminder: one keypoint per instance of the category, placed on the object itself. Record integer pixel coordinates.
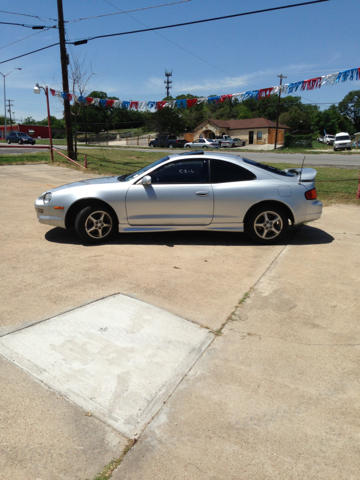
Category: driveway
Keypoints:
(199, 277)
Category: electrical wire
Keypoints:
(29, 53)
(34, 27)
(196, 22)
(174, 43)
(126, 11)
(21, 39)
(32, 16)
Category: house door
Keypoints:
(251, 137)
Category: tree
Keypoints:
(350, 107)
(165, 121)
(30, 121)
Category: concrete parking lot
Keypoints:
(240, 409)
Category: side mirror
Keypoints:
(146, 181)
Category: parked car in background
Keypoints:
(355, 145)
(320, 139)
(342, 141)
(189, 191)
(328, 139)
(236, 142)
(167, 141)
(202, 143)
(19, 137)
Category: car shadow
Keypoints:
(300, 235)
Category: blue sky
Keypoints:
(216, 58)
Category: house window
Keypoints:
(259, 136)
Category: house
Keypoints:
(35, 131)
(254, 131)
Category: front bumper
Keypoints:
(48, 215)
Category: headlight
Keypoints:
(47, 197)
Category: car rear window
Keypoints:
(268, 168)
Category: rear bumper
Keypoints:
(313, 210)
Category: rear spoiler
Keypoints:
(307, 174)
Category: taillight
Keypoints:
(311, 194)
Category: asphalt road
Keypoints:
(321, 159)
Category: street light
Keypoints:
(5, 94)
(37, 89)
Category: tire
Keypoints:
(349, 148)
(187, 146)
(151, 145)
(205, 147)
(8, 141)
(220, 144)
(266, 224)
(95, 224)
(171, 145)
(20, 142)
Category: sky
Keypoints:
(215, 58)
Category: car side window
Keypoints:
(225, 172)
(182, 172)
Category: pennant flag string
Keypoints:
(152, 106)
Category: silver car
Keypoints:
(188, 191)
(203, 143)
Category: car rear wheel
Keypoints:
(95, 224)
(9, 142)
(20, 142)
(187, 146)
(266, 224)
(171, 145)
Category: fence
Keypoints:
(140, 141)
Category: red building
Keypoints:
(35, 131)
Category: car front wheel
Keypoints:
(95, 224)
(8, 142)
(266, 225)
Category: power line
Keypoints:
(196, 22)
(21, 39)
(32, 16)
(34, 27)
(126, 11)
(174, 43)
(25, 54)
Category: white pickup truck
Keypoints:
(328, 139)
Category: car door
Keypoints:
(234, 191)
(179, 194)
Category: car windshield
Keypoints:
(268, 168)
(343, 137)
(131, 176)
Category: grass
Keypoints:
(334, 185)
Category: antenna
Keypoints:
(168, 82)
(302, 168)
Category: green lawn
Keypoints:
(334, 185)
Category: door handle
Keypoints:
(202, 193)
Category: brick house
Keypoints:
(254, 131)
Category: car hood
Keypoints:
(92, 181)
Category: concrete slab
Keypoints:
(48, 270)
(117, 358)
(277, 395)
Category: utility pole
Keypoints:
(65, 80)
(167, 82)
(281, 76)
(9, 110)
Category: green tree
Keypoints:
(29, 121)
(350, 107)
(166, 121)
